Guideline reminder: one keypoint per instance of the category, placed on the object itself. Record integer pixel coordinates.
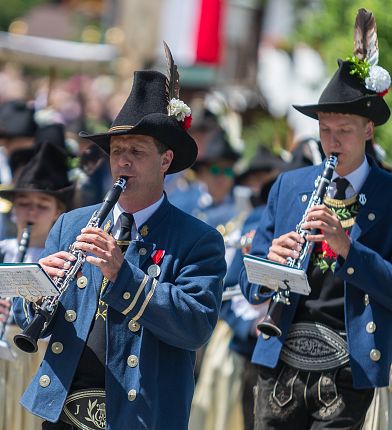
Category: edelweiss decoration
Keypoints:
(365, 59)
(176, 107)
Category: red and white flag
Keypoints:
(193, 30)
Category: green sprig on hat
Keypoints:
(359, 68)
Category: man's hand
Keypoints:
(106, 253)
(285, 246)
(330, 229)
(55, 264)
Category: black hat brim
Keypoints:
(372, 107)
(65, 195)
(162, 127)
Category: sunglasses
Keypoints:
(226, 171)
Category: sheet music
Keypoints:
(274, 275)
(27, 280)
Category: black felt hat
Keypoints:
(346, 93)
(146, 112)
(217, 148)
(16, 120)
(53, 133)
(263, 161)
(46, 172)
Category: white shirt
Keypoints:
(9, 247)
(140, 217)
(356, 178)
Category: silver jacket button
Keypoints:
(350, 270)
(375, 354)
(132, 395)
(82, 282)
(44, 381)
(126, 295)
(57, 347)
(70, 315)
(366, 300)
(134, 326)
(132, 361)
(371, 327)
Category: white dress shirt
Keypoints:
(140, 217)
(356, 178)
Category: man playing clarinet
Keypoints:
(125, 332)
(335, 344)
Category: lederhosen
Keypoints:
(307, 384)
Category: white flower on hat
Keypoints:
(181, 112)
(179, 109)
(378, 79)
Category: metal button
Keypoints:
(368, 103)
(82, 282)
(133, 326)
(371, 216)
(375, 354)
(44, 381)
(57, 347)
(132, 395)
(70, 315)
(256, 296)
(371, 327)
(366, 300)
(350, 270)
(126, 295)
(132, 361)
(304, 198)
(142, 251)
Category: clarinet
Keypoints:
(24, 243)
(269, 324)
(20, 256)
(44, 313)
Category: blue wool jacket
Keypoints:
(160, 321)
(367, 271)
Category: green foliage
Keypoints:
(329, 28)
(266, 131)
(10, 10)
(359, 67)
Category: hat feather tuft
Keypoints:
(365, 37)
(173, 77)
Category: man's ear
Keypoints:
(166, 160)
(369, 130)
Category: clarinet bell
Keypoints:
(268, 327)
(27, 341)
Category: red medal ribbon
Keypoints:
(157, 256)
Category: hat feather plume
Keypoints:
(173, 77)
(365, 37)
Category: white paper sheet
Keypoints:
(27, 280)
(274, 275)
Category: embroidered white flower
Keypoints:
(179, 109)
(378, 79)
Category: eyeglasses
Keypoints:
(226, 171)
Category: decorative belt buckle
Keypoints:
(314, 347)
(85, 409)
